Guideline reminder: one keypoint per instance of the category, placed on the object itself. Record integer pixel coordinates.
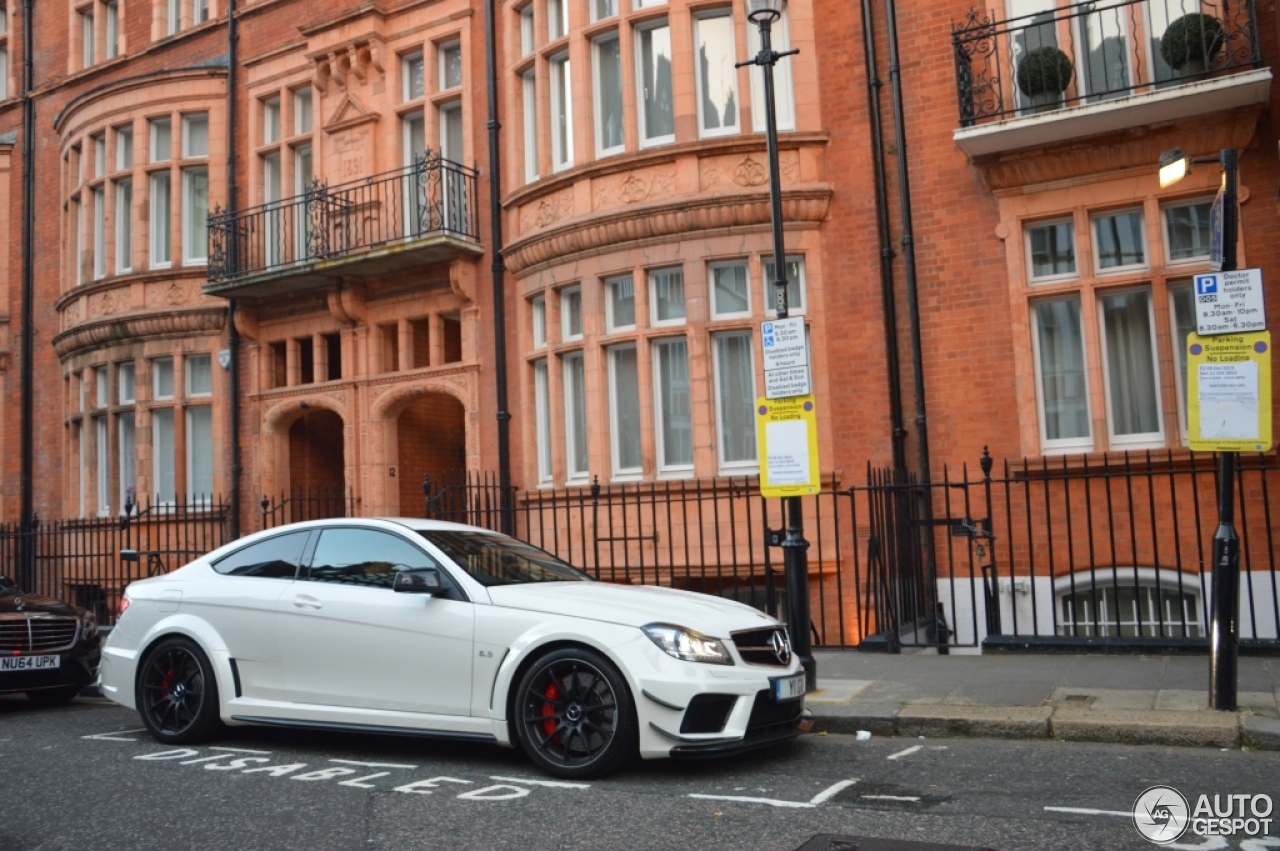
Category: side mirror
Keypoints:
(419, 580)
(129, 556)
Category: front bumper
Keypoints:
(78, 666)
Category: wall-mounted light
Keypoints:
(1174, 165)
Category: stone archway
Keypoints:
(317, 465)
(431, 440)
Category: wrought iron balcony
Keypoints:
(418, 214)
(1089, 53)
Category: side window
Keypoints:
(363, 557)
(274, 558)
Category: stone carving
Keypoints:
(173, 294)
(112, 301)
(632, 188)
(547, 211)
(748, 171)
(347, 65)
(72, 313)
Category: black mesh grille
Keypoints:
(708, 713)
(767, 711)
(36, 634)
(756, 647)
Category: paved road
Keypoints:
(84, 776)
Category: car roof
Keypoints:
(417, 524)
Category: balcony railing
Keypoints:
(1010, 68)
(430, 197)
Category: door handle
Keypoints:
(306, 603)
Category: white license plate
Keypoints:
(30, 663)
(788, 688)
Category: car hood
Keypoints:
(632, 605)
(20, 601)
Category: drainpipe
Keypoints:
(499, 269)
(233, 341)
(874, 84)
(26, 559)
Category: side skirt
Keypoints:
(365, 728)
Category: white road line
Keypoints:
(553, 784)
(802, 805)
(831, 791)
(239, 750)
(1084, 811)
(372, 764)
(117, 736)
(890, 797)
(907, 752)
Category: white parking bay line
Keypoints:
(890, 797)
(830, 791)
(551, 784)
(372, 764)
(1084, 811)
(239, 750)
(803, 805)
(908, 752)
(117, 736)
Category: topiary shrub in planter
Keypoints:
(1044, 74)
(1191, 42)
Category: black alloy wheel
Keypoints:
(177, 695)
(574, 714)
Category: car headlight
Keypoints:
(687, 645)
(89, 625)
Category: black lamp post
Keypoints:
(794, 547)
(1224, 630)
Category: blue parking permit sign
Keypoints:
(1206, 284)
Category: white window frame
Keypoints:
(190, 364)
(100, 380)
(86, 37)
(717, 373)
(99, 233)
(529, 90)
(159, 368)
(611, 284)
(802, 286)
(1026, 248)
(711, 287)
(124, 225)
(557, 19)
(561, 74)
(654, 321)
(703, 131)
(124, 147)
(103, 464)
(173, 12)
(303, 111)
(783, 88)
(1098, 268)
(163, 450)
(1062, 445)
(160, 128)
(195, 496)
(408, 62)
(568, 296)
(100, 155)
(597, 94)
(1142, 440)
(195, 239)
(538, 318)
(78, 255)
(272, 122)
(527, 40)
(573, 476)
(200, 12)
(598, 14)
(621, 473)
(127, 454)
(189, 121)
(1172, 289)
(1195, 259)
(443, 52)
(126, 383)
(113, 29)
(658, 348)
(647, 141)
(542, 418)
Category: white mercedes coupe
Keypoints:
(426, 628)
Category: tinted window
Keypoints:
(276, 558)
(363, 557)
(499, 560)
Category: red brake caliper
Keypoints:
(165, 683)
(549, 709)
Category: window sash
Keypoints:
(530, 92)
(672, 405)
(575, 433)
(1120, 241)
(653, 84)
(601, 9)
(195, 136)
(86, 36)
(160, 222)
(542, 415)
(620, 303)
(1183, 314)
(99, 233)
(666, 296)
(113, 30)
(1062, 379)
(571, 314)
(734, 365)
(717, 76)
(125, 378)
(784, 99)
(561, 113)
(103, 465)
(195, 215)
(796, 286)
(450, 66)
(538, 313)
(624, 410)
(1126, 320)
(124, 148)
(199, 369)
(526, 30)
(730, 290)
(199, 440)
(1051, 250)
(161, 140)
(271, 121)
(413, 83)
(128, 456)
(162, 378)
(302, 115)
(606, 55)
(557, 19)
(162, 449)
(1187, 231)
(124, 225)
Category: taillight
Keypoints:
(124, 606)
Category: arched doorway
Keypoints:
(317, 467)
(431, 438)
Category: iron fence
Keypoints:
(1095, 51)
(432, 195)
(308, 503)
(78, 560)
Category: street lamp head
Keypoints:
(765, 11)
(1174, 165)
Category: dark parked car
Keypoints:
(48, 649)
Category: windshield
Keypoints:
(499, 560)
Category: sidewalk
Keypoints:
(1153, 700)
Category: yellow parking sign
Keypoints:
(787, 433)
(1229, 392)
